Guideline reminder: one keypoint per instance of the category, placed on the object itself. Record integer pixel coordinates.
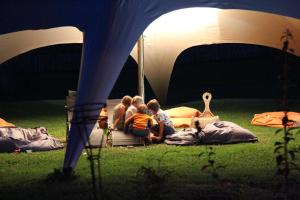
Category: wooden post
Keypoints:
(141, 75)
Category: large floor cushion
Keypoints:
(182, 116)
(224, 132)
(4, 123)
(119, 138)
(183, 112)
(221, 132)
(35, 139)
(97, 137)
(7, 145)
(181, 122)
(274, 119)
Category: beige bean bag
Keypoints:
(182, 116)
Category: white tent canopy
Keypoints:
(176, 31)
(110, 30)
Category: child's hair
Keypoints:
(153, 105)
(137, 100)
(142, 109)
(126, 101)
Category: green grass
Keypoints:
(28, 114)
(249, 172)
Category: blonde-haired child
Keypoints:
(136, 101)
(119, 112)
(141, 122)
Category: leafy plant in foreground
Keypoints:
(286, 155)
(150, 181)
(286, 39)
(211, 166)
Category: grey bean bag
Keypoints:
(7, 145)
(221, 132)
(35, 139)
(224, 132)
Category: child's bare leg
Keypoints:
(151, 136)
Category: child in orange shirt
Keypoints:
(141, 122)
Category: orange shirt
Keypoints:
(140, 121)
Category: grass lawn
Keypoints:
(249, 172)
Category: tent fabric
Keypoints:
(188, 27)
(209, 26)
(110, 30)
(16, 43)
(274, 119)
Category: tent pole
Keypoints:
(141, 75)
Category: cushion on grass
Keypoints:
(221, 132)
(224, 132)
(7, 145)
(35, 139)
(119, 138)
(4, 123)
(274, 119)
(183, 112)
(181, 122)
(182, 116)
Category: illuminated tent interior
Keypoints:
(111, 28)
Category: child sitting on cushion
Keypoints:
(140, 122)
(164, 125)
(136, 101)
(119, 112)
